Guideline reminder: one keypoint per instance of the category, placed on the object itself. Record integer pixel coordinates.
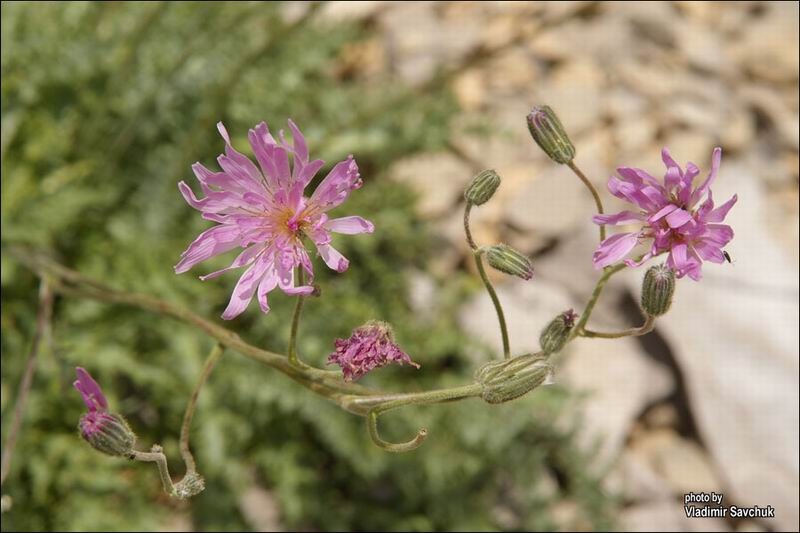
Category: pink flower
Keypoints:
(674, 215)
(370, 346)
(97, 416)
(265, 213)
(104, 431)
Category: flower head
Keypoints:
(370, 346)
(106, 432)
(265, 213)
(679, 218)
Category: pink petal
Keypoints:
(678, 218)
(91, 392)
(245, 258)
(350, 225)
(719, 234)
(719, 214)
(298, 142)
(267, 285)
(246, 287)
(709, 252)
(238, 165)
(698, 194)
(614, 248)
(661, 213)
(335, 260)
(337, 185)
(213, 241)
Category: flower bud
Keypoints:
(658, 287)
(192, 484)
(506, 380)
(506, 259)
(549, 134)
(107, 433)
(482, 187)
(555, 335)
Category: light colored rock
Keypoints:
(351, 10)
(776, 109)
(636, 480)
(420, 40)
(735, 338)
(768, 48)
(438, 178)
(528, 305)
(681, 463)
(551, 204)
(620, 381)
(574, 93)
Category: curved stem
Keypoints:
(598, 290)
(372, 426)
(647, 327)
(298, 309)
(498, 307)
(157, 456)
(42, 328)
(592, 190)
(186, 453)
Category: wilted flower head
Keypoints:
(106, 432)
(673, 215)
(370, 346)
(265, 213)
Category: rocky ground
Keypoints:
(709, 402)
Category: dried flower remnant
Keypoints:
(370, 346)
(264, 212)
(672, 215)
(106, 432)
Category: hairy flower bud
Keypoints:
(192, 484)
(549, 134)
(107, 433)
(555, 335)
(658, 287)
(482, 187)
(506, 380)
(506, 259)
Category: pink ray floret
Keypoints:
(95, 401)
(370, 346)
(676, 217)
(263, 212)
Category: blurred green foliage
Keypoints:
(104, 108)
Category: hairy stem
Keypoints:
(400, 447)
(498, 307)
(42, 327)
(155, 455)
(592, 190)
(598, 290)
(186, 453)
(647, 327)
(298, 309)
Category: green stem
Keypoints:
(598, 289)
(186, 453)
(157, 456)
(647, 327)
(298, 309)
(498, 307)
(592, 190)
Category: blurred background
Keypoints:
(106, 105)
